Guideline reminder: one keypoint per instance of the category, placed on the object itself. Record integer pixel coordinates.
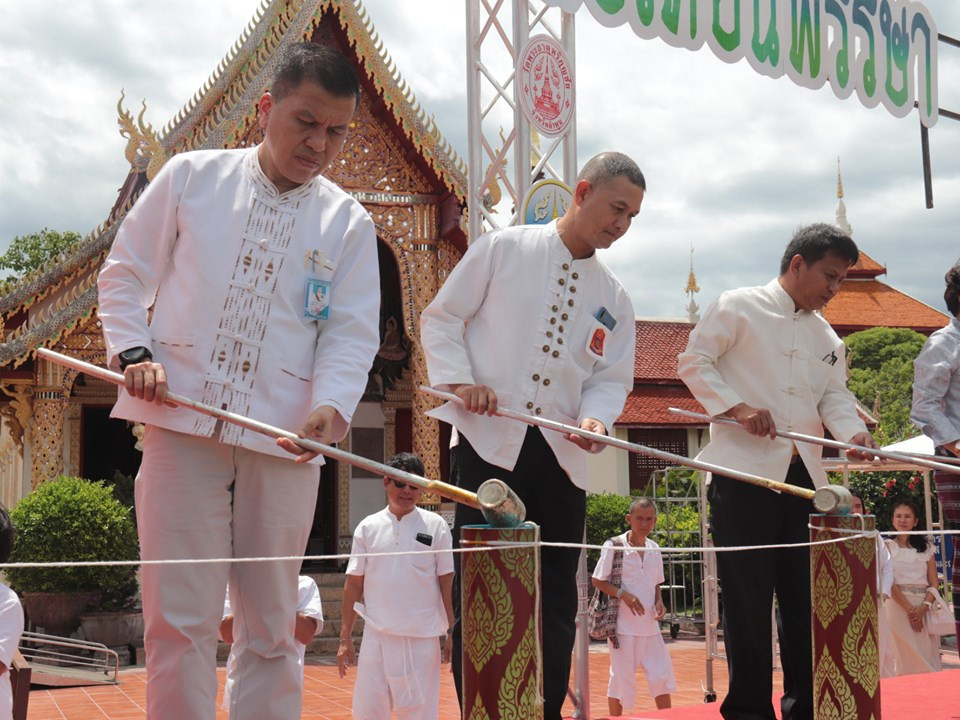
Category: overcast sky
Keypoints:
(734, 161)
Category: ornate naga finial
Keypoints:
(492, 194)
(144, 151)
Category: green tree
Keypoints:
(28, 252)
(606, 515)
(882, 490)
(881, 377)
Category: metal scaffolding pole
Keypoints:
(503, 160)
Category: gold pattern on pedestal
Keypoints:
(832, 583)
(489, 620)
(516, 561)
(859, 652)
(833, 697)
(517, 699)
(865, 552)
(479, 712)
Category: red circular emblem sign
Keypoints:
(546, 85)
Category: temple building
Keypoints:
(864, 301)
(395, 163)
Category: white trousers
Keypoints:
(397, 673)
(198, 498)
(648, 652)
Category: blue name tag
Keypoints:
(316, 298)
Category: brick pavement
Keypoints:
(327, 697)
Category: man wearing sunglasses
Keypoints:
(405, 601)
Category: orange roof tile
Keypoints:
(658, 344)
(866, 267)
(863, 304)
(649, 405)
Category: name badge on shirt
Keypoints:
(316, 298)
(598, 337)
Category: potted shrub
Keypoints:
(117, 621)
(71, 519)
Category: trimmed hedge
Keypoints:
(73, 519)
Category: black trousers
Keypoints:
(742, 514)
(559, 508)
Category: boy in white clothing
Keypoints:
(309, 624)
(11, 621)
(640, 610)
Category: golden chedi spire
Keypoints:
(841, 207)
(693, 310)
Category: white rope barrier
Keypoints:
(488, 547)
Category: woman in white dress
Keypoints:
(914, 574)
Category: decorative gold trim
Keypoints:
(343, 499)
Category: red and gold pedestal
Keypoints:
(846, 657)
(500, 601)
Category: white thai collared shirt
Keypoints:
(401, 593)
(640, 575)
(11, 628)
(231, 269)
(936, 386)
(753, 346)
(519, 314)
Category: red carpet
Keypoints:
(932, 696)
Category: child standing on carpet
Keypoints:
(11, 621)
(639, 642)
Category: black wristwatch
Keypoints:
(133, 356)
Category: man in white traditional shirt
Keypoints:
(405, 602)
(11, 621)
(766, 357)
(936, 411)
(229, 248)
(530, 318)
(640, 609)
(308, 623)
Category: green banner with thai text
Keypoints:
(884, 50)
